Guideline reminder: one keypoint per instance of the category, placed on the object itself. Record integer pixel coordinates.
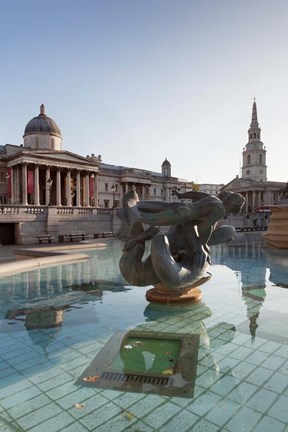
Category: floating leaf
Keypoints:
(168, 372)
(79, 405)
(138, 343)
(127, 414)
(91, 378)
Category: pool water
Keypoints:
(55, 323)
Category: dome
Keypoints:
(42, 124)
(166, 163)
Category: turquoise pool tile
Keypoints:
(225, 384)
(91, 404)
(204, 426)
(242, 369)
(161, 414)
(262, 400)
(183, 421)
(204, 403)
(242, 353)
(54, 382)
(38, 416)
(146, 405)
(279, 410)
(22, 384)
(274, 362)
(75, 427)
(28, 406)
(259, 376)
(121, 422)
(244, 420)
(100, 416)
(125, 400)
(54, 424)
(222, 412)
(271, 347)
(78, 394)
(242, 392)
(268, 424)
(277, 383)
(17, 398)
(46, 375)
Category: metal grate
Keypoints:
(142, 379)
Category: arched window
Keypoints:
(52, 143)
(260, 158)
(249, 159)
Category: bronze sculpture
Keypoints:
(179, 258)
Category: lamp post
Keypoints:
(113, 188)
(49, 183)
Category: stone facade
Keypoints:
(45, 189)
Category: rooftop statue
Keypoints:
(179, 256)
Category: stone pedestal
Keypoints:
(277, 232)
(190, 294)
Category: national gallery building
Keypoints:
(40, 178)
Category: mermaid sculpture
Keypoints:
(179, 257)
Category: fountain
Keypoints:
(179, 256)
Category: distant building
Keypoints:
(253, 184)
(39, 178)
(211, 189)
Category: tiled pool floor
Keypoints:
(241, 381)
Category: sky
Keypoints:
(138, 81)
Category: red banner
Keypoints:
(30, 181)
(91, 187)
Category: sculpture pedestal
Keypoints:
(277, 232)
(190, 294)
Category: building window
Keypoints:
(106, 203)
(249, 159)
(162, 192)
(260, 158)
(106, 187)
(52, 143)
(155, 192)
(248, 172)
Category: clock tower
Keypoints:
(254, 153)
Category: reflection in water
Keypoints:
(254, 263)
(149, 361)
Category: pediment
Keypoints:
(60, 158)
(238, 183)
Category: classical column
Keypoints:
(47, 194)
(24, 184)
(78, 189)
(87, 190)
(58, 188)
(12, 185)
(68, 188)
(96, 189)
(36, 185)
(17, 185)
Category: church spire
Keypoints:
(254, 154)
(254, 130)
(254, 122)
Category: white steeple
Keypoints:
(254, 154)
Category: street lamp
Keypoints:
(113, 188)
(49, 183)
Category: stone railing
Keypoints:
(16, 210)
(61, 211)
